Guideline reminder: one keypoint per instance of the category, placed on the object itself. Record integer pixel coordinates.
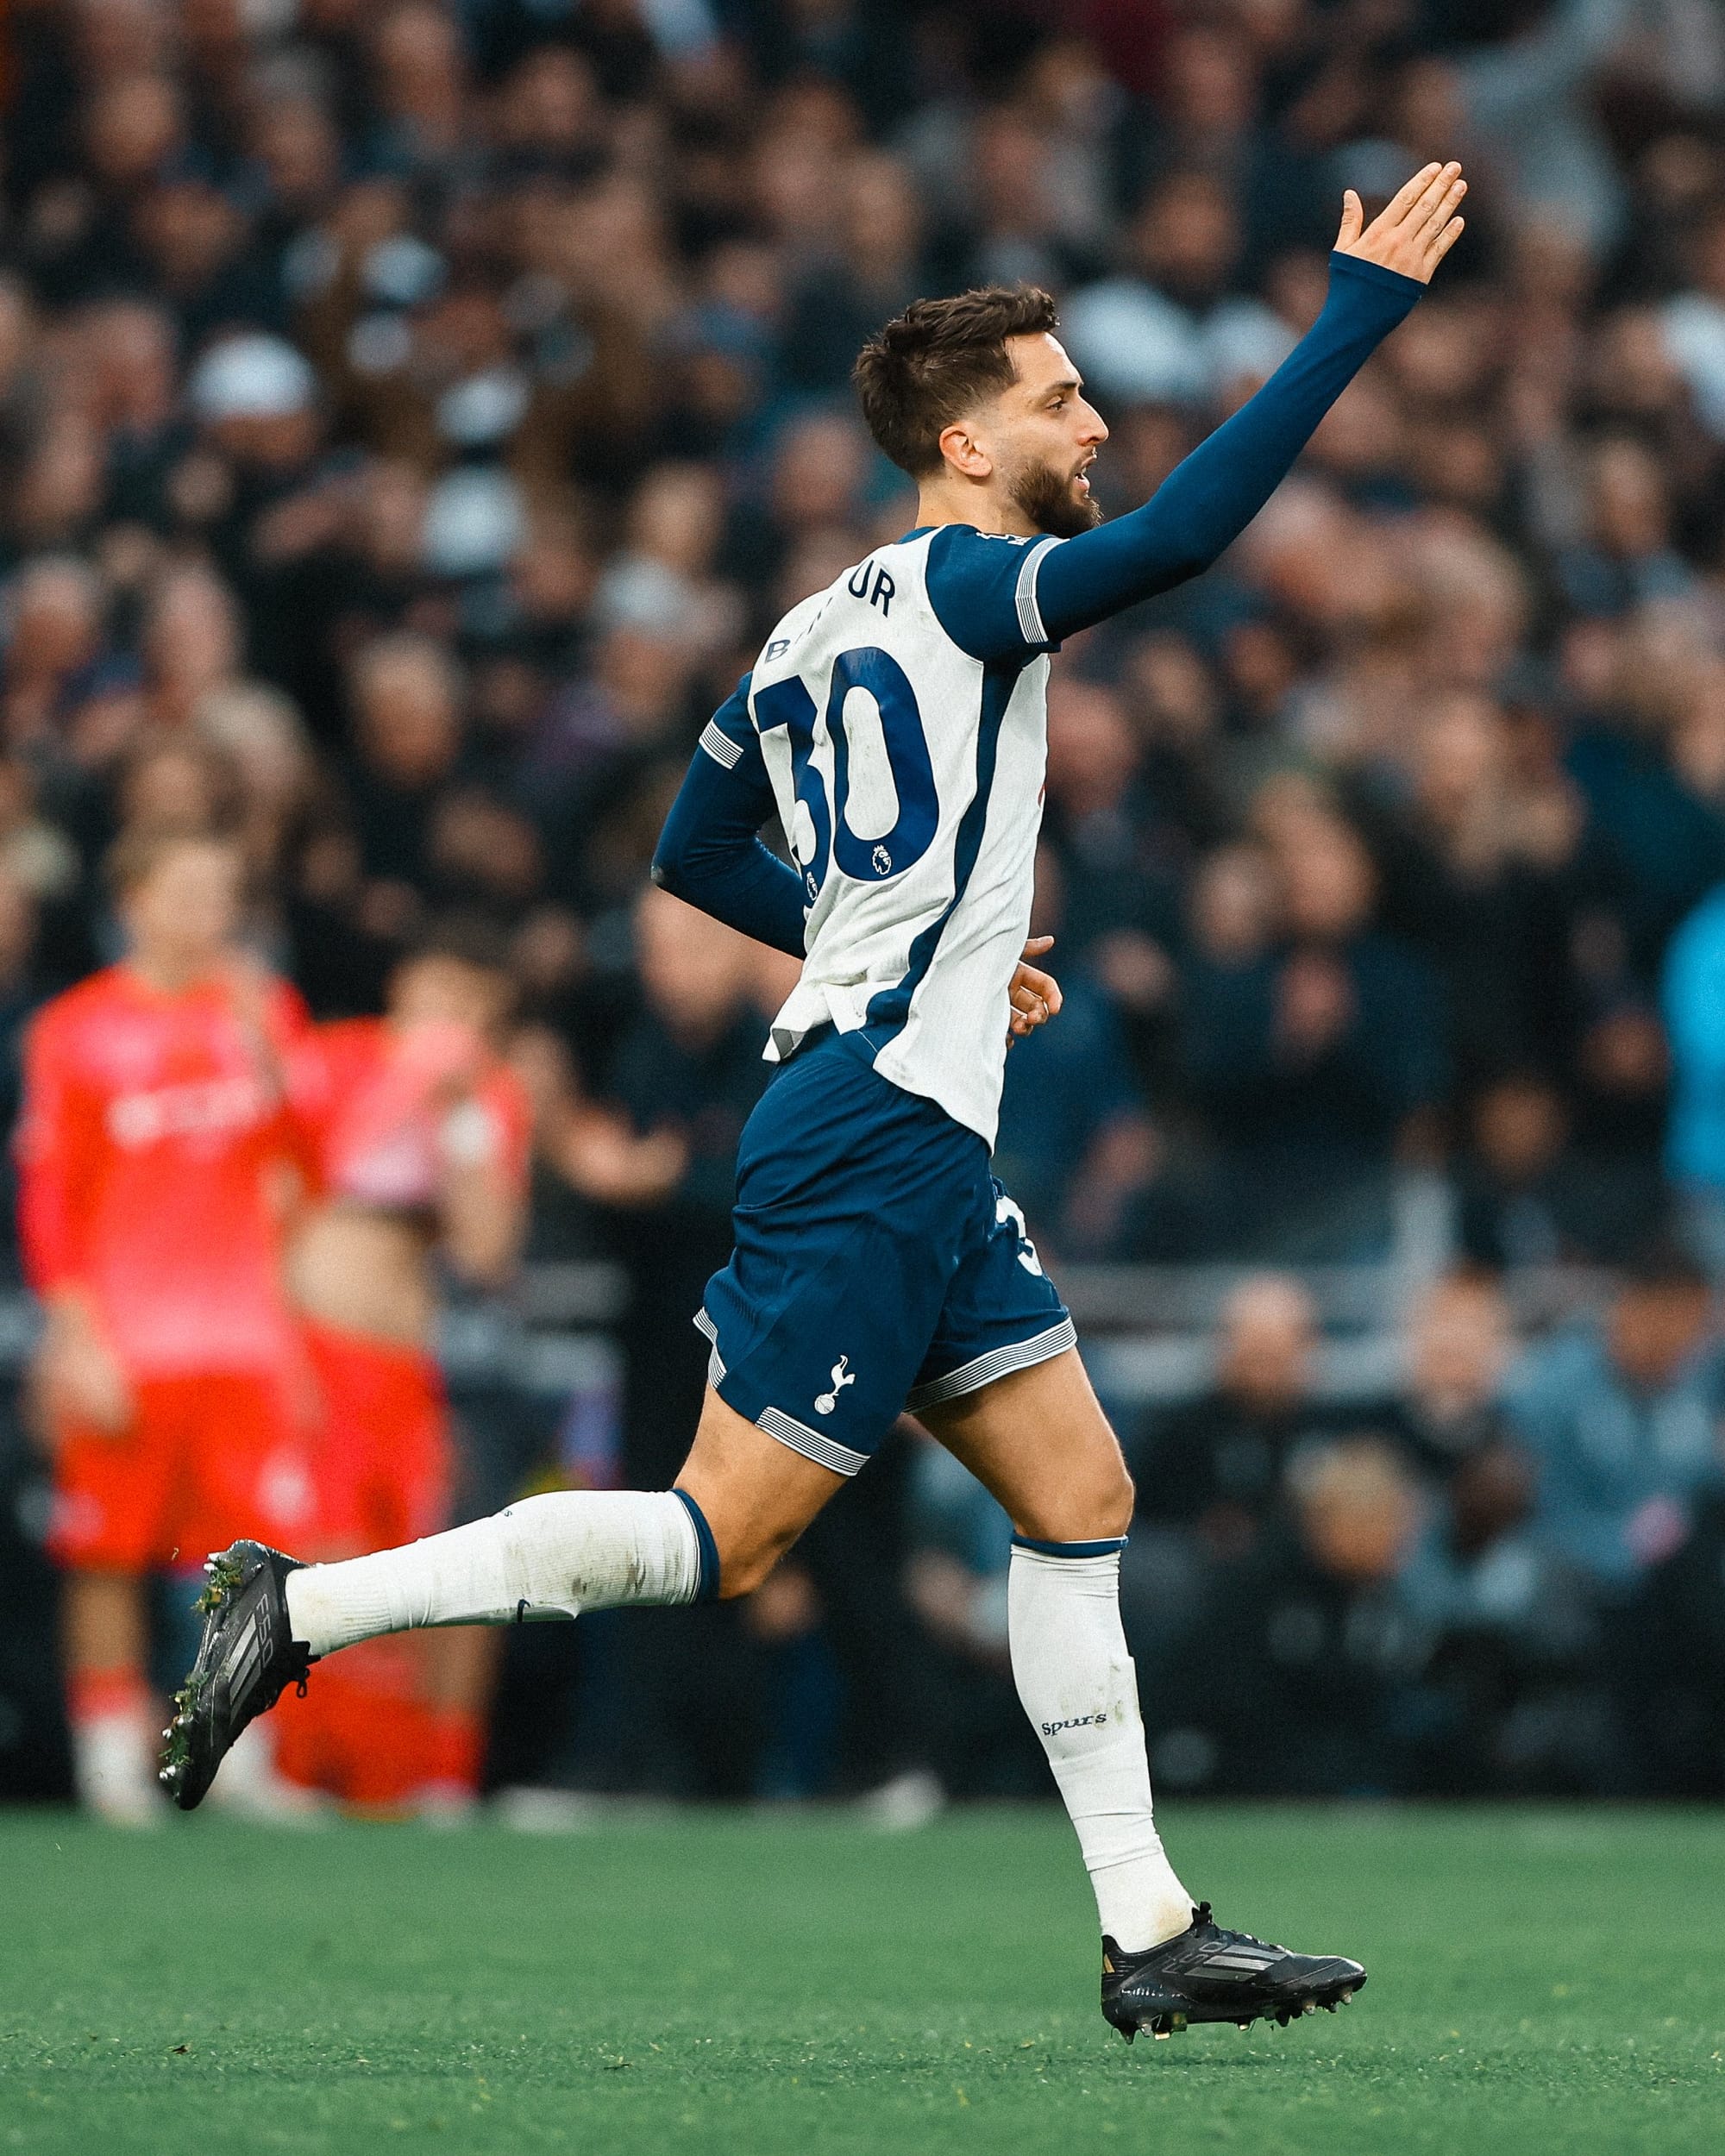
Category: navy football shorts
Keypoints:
(879, 1266)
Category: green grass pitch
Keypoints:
(1540, 1980)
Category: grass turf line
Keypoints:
(1543, 1981)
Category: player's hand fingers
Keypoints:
(1444, 208)
(1036, 945)
(1404, 199)
(1028, 1014)
(1427, 202)
(1400, 204)
(1042, 986)
(1353, 220)
(1034, 1007)
(1436, 249)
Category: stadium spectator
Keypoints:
(680, 1082)
(1218, 1462)
(407, 734)
(1457, 1345)
(1670, 1666)
(1531, 1194)
(1111, 843)
(1317, 1649)
(960, 1545)
(151, 1142)
(416, 1133)
(686, 1072)
(1173, 331)
(1619, 1417)
(1694, 1014)
(22, 992)
(1075, 1144)
(1507, 1691)
(1314, 1056)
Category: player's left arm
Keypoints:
(1376, 273)
(709, 853)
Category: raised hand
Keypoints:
(1416, 231)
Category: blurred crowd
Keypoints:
(1501, 1573)
(413, 418)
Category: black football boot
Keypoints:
(1206, 1974)
(246, 1659)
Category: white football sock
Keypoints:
(1079, 1687)
(547, 1557)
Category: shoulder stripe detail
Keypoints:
(719, 745)
(1020, 1355)
(824, 1452)
(715, 1362)
(1030, 615)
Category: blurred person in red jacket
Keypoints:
(155, 1169)
(419, 1136)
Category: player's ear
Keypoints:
(960, 449)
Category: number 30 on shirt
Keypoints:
(827, 835)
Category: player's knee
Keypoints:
(741, 1575)
(745, 1560)
(1093, 1506)
(1115, 1500)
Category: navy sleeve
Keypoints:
(710, 852)
(1206, 502)
(981, 586)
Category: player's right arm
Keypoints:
(76, 1372)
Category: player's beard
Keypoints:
(1050, 497)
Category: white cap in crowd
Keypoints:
(252, 377)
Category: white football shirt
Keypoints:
(902, 718)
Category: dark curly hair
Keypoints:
(939, 359)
